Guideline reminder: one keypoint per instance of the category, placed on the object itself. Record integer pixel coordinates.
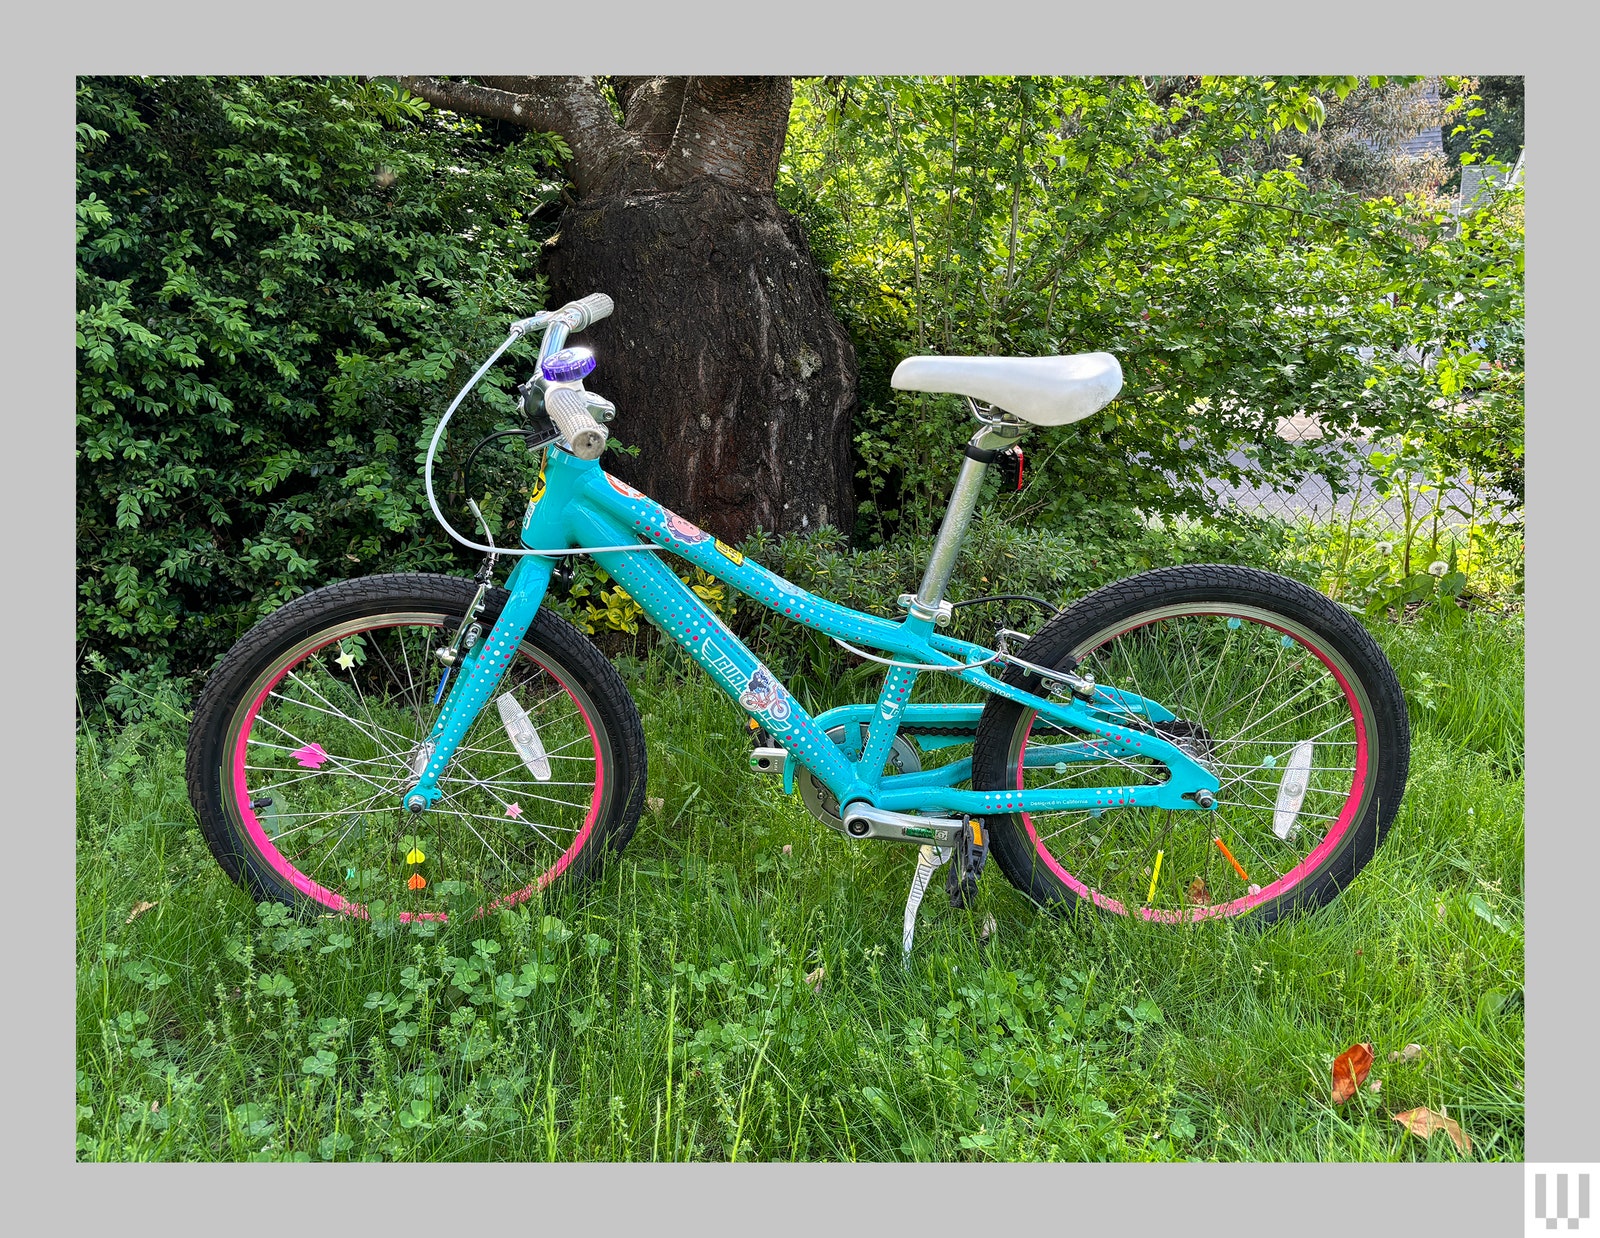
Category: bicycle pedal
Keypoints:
(766, 757)
(971, 853)
(768, 760)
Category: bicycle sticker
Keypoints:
(622, 487)
(758, 692)
(727, 550)
(764, 694)
(536, 494)
(683, 530)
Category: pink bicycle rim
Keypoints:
(1293, 877)
(331, 898)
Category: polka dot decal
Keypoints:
(683, 616)
(666, 528)
(489, 663)
(891, 707)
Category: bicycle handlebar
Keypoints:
(572, 317)
(585, 437)
(587, 311)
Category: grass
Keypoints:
(666, 1012)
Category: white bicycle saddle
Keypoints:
(1048, 391)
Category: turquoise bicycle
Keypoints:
(1189, 743)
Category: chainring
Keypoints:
(820, 802)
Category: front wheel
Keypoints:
(313, 727)
(1279, 691)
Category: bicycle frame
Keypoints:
(577, 504)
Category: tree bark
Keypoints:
(723, 357)
(727, 366)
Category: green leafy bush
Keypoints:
(280, 283)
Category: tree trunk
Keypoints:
(726, 364)
(728, 369)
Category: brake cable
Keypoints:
(517, 331)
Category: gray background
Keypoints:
(49, 46)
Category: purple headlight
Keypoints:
(567, 365)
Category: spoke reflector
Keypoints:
(523, 737)
(1292, 790)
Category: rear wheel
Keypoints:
(308, 734)
(1279, 691)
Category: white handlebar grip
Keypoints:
(591, 309)
(586, 438)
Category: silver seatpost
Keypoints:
(993, 435)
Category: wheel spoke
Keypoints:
(1245, 695)
(353, 722)
(365, 806)
(332, 713)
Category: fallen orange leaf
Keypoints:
(1350, 1071)
(1198, 894)
(1423, 1123)
(138, 910)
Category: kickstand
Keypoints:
(929, 858)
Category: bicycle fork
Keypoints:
(478, 674)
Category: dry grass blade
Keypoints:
(138, 910)
(814, 979)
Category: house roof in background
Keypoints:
(1428, 141)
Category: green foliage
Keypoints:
(1487, 121)
(280, 283)
(1051, 215)
(1004, 553)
